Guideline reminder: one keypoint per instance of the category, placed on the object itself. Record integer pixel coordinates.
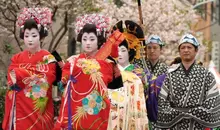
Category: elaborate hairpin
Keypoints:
(101, 22)
(42, 16)
(133, 43)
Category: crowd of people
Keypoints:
(109, 85)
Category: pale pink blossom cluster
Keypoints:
(169, 19)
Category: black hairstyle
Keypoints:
(131, 27)
(31, 23)
(177, 60)
(91, 28)
(131, 52)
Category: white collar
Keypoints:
(173, 67)
(123, 68)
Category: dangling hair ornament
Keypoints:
(42, 16)
(101, 22)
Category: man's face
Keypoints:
(89, 43)
(153, 51)
(32, 38)
(187, 52)
(123, 55)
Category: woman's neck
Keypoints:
(124, 65)
(33, 51)
(92, 54)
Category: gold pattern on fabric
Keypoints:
(94, 102)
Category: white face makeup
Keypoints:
(89, 43)
(123, 58)
(32, 39)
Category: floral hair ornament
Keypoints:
(190, 39)
(101, 22)
(42, 16)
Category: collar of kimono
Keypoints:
(173, 67)
(190, 68)
(153, 66)
(30, 54)
(124, 68)
(88, 56)
(129, 67)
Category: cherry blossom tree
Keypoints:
(169, 19)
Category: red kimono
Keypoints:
(85, 103)
(32, 106)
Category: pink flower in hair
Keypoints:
(37, 21)
(101, 22)
(40, 15)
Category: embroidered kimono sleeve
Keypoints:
(208, 114)
(15, 73)
(66, 69)
(51, 74)
(167, 115)
(152, 93)
(65, 73)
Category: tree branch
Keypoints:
(12, 8)
(3, 13)
(52, 33)
(64, 32)
(17, 5)
(43, 44)
(54, 12)
(12, 13)
(39, 2)
(200, 29)
(16, 38)
(53, 38)
(26, 3)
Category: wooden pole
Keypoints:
(140, 12)
(143, 52)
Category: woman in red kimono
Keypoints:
(85, 103)
(28, 104)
